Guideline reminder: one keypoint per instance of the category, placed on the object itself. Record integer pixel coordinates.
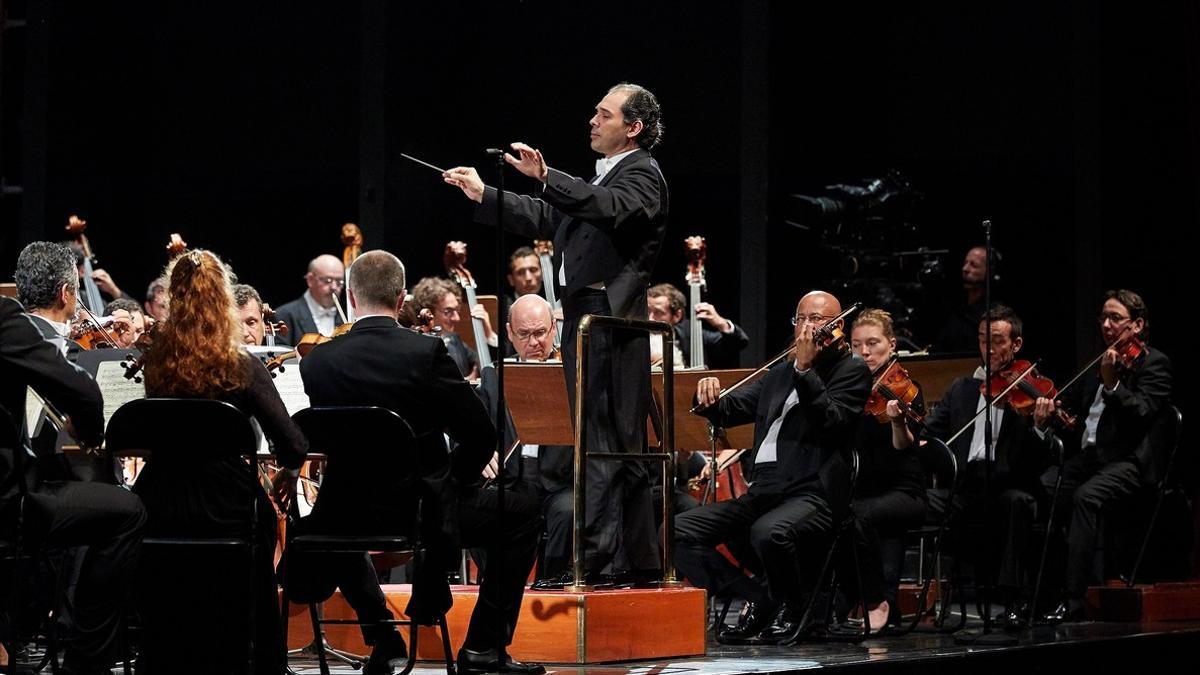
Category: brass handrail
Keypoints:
(582, 341)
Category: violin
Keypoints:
(893, 383)
(307, 342)
(1129, 349)
(1018, 385)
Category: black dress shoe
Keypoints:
(753, 619)
(1014, 617)
(1066, 611)
(488, 661)
(388, 654)
(784, 628)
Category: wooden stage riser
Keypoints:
(554, 627)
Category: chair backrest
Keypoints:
(372, 472)
(190, 430)
(1163, 442)
(938, 461)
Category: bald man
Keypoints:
(314, 312)
(803, 411)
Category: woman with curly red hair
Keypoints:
(196, 354)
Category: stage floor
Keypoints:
(1104, 647)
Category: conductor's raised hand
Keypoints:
(529, 162)
(467, 179)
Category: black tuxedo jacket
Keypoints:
(810, 450)
(1020, 454)
(378, 363)
(48, 334)
(609, 233)
(720, 349)
(26, 359)
(298, 319)
(1130, 410)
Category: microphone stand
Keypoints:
(986, 636)
(496, 560)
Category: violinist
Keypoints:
(250, 313)
(102, 523)
(723, 339)
(441, 298)
(197, 354)
(315, 311)
(128, 321)
(803, 409)
(889, 495)
(156, 304)
(1018, 460)
(1107, 462)
(378, 363)
(48, 288)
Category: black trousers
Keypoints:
(619, 521)
(776, 537)
(511, 541)
(109, 521)
(993, 534)
(1089, 491)
(880, 523)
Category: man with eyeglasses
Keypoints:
(441, 298)
(803, 410)
(1107, 458)
(315, 312)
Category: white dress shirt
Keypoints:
(326, 319)
(603, 166)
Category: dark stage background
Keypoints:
(258, 128)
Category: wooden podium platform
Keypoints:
(554, 627)
(1168, 601)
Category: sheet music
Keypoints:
(33, 413)
(291, 387)
(116, 388)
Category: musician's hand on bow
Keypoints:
(467, 179)
(493, 467)
(1043, 411)
(708, 389)
(806, 347)
(530, 163)
(281, 488)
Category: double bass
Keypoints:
(544, 249)
(455, 259)
(91, 292)
(696, 249)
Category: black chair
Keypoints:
(213, 431)
(1165, 434)
(357, 440)
(941, 466)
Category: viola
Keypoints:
(93, 333)
(1018, 385)
(893, 383)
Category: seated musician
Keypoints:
(156, 304)
(105, 520)
(129, 321)
(524, 274)
(1011, 493)
(249, 312)
(197, 354)
(802, 409)
(315, 311)
(441, 297)
(889, 495)
(723, 339)
(48, 288)
(1107, 461)
(378, 363)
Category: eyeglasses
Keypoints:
(811, 319)
(332, 281)
(448, 312)
(1114, 319)
(524, 335)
